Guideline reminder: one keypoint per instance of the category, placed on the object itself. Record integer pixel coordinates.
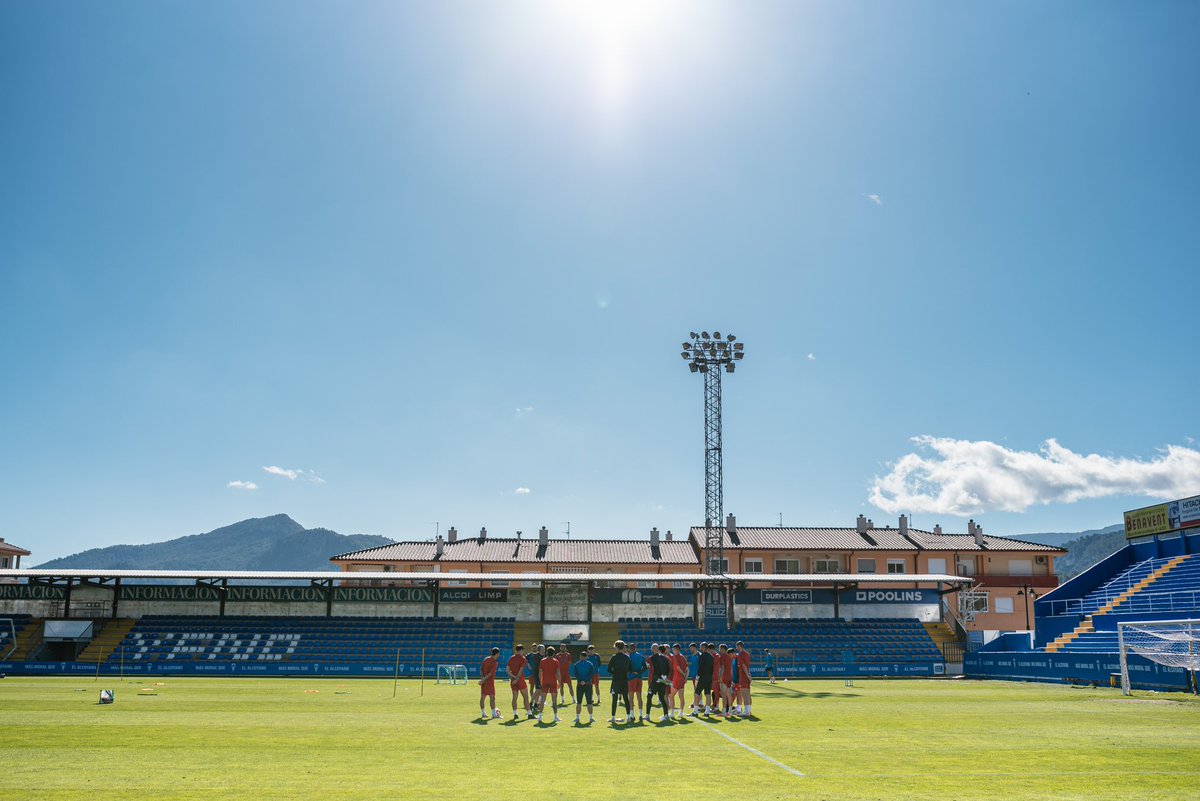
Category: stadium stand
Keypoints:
(831, 641)
(6, 634)
(325, 640)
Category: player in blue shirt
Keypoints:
(637, 672)
(693, 661)
(584, 671)
(769, 664)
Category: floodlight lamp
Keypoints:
(694, 335)
(704, 335)
(685, 354)
(722, 345)
(687, 345)
(704, 368)
(712, 351)
(731, 337)
(729, 367)
(739, 346)
(716, 334)
(738, 354)
(693, 367)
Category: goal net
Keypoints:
(451, 674)
(1175, 643)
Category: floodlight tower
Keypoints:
(709, 355)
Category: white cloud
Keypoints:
(812, 357)
(878, 201)
(524, 410)
(522, 491)
(963, 477)
(242, 485)
(291, 475)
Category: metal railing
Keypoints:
(1145, 601)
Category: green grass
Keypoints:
(349, 739)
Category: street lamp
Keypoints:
(1028, 593)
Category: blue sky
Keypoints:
(426, 255)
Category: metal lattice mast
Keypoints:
(714, 491)
(709, 355)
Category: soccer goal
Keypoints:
(1175, 643)
(451, 674)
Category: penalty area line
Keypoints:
(754, 751)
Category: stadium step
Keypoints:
(112, 632)
(526, 634)
(943, 636)
(1141, 585)
(1086, 627)
(603, 637)
(29, 640)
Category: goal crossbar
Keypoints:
(1174, 643)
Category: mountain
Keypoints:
(1088, 548)
(262, 543)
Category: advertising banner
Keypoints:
(1147, 521)
(382, 595)
(643, 597)
(473, 596)
(1184, 513)
(30, 592)
(169, 592)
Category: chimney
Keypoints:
(938, 529)
(861, 524)
(440, 547)
(903, 524)
(971, 527)
(483, 534)
(668, 535)
(543, 537)
(654, 537)
(452, 535)
(730, 523)
(979, 535)
(870, 524)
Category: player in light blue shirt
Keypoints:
(769, 664)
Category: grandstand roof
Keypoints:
(883, 539)
(500, 549)
(823, 579)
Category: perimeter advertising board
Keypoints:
(1147, 521)
(1184, 513)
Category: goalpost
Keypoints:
(451, 674)
(1175, 643)
(8, 636)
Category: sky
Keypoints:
(392, 267)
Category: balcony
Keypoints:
(1038, 582)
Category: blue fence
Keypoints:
(377, 670)
(1077, 668)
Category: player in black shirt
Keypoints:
(536, 653)
(618, 672)
(662, 681)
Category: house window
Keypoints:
(456, 583)
(682, 585)
(866, 565)
(787, 566)
(647, 585)
(896, 566)
(754, 566)
(1004, 606)
(966, 568)
(714, 567)
(4, 562)
(937, 566)
(827, 566)
(975, 602)
(499, 582)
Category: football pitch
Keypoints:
(326, 738)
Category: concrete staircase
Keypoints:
(1087, 627)
(527, 634)
(942, 635)
(110, 636)
(29, 640)
(603, 637)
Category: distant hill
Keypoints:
(1088, 548)
(262, 543)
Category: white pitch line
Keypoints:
(754, 751)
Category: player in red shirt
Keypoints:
(743, 685)
(487, 682)
(714, 694)
(516, 680)
(728, 678)
(548, 667)
(679, 671)
(564, 675)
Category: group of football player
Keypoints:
(719, 677)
